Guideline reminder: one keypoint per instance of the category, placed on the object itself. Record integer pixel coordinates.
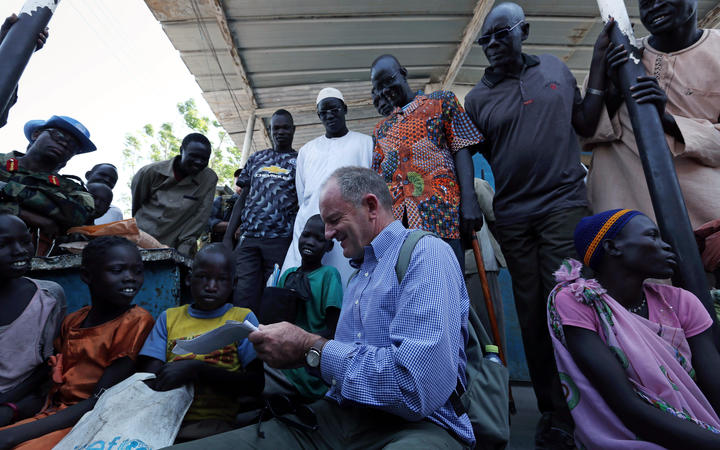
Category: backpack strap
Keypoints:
(455, 401)
(482, 334)
(406, 250)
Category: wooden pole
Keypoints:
(667, 199)
(486, 293)
(247, 143)
(482, 8)
(491, 310)
(19, 45)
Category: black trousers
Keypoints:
(533, 251)
(255, 259)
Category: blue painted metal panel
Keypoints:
(483, 170)
(515, 351)
(163, 287)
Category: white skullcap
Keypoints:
(329, 92)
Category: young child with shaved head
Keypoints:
(321, 289)
(219, 377)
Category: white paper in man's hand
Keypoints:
(232, 331)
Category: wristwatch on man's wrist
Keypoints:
(312, 356)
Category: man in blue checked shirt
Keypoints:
(399, 348)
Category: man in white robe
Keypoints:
(338, 147)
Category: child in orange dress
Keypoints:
(97, 346)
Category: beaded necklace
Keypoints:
(637, 309)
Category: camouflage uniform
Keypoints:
(54, 196)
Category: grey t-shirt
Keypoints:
(532, 147)
(28, 341)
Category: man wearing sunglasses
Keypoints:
(338, 147)
(529, 107)
(421, 150)
(30, 186)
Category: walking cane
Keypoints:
(490, 309)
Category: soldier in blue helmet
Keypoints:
(30, 186)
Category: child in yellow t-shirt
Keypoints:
(219, 377)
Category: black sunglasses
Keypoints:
(65, 136)
(324, 112)
(499, 34)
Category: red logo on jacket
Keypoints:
(11, 165)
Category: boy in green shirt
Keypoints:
(321, 288)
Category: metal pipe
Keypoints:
(667, 199)
(19, 45)
(247, 143)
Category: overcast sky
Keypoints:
(108, 64)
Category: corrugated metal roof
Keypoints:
(260, 55)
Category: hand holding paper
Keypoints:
(232, 331)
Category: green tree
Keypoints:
(156, 144)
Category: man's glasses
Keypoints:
(324, 112)
(61, 135)
(499, 34)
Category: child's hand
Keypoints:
(177, 373)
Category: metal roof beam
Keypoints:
(222, 22)
(482, 8)
(179, 20)
(711, 19)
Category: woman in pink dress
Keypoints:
(636, 359)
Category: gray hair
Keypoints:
(355, 182)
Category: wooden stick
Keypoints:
(486, 293)
(491, 311)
